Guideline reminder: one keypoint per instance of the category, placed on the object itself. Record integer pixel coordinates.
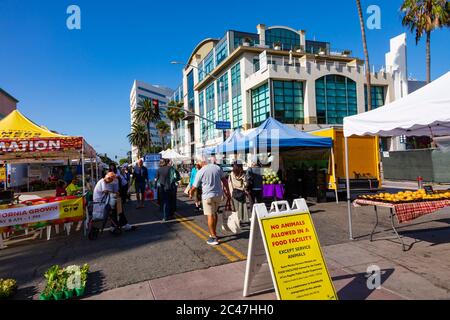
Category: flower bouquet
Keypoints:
(7, 288)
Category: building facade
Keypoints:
(246, 77)
(139, 92)
(7, 103)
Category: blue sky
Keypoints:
(78, 82)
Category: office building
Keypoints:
(246, 77)
(139, 92)
(7, 103)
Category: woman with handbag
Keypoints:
(237, 187)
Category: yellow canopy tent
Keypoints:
(23, 141)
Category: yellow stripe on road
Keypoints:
(192, 224)
(202, 237)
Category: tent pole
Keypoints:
(82, 168)
(347, 179)
(28, 177)
(96, 170)
(6, 176)
(333, 170)
(91, 175)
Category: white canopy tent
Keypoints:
(425, 112)
(172, 155)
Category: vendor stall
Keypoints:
(285, 145)
(22, 141)
(406, 206)
(423, 112)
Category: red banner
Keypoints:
(41, 144)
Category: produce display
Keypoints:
(65, 283)
(7, 288)
(270, 177)
(407, 196)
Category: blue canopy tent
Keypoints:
(233, 143)
(273, 135)
(280, 135)
(270, 134)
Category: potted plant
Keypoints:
(80, 289)
(54, 282)
(73, 273)
(60, 285)
(277, 45)
(298, 49)
(47, 293)
(321, 51)
(246, 42)
(346, 53)
(7, 288)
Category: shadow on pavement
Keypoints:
(95, 283)
(26, 293)
(357, 289)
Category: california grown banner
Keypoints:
(65, 210)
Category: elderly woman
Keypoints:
(238, 188)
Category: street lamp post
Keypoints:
(215, 78)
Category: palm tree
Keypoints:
(175, 114)
(366, 56)
(163, 129)
(138, 137)
(145, 113)
(424, 16)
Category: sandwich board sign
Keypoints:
(284, 252)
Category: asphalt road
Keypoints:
(154, 250)
(158, 249)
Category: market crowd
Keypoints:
(208, 186)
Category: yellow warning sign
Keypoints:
(296, 259)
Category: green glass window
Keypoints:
(240, 37)
(335, 99)
(201, 103)
(206, 66)
(221, 50)
(287, 38)
(260, 104)
(288, 101)
(377, 96)
(255, 64)
(210, 111)
(236, 95)
(222, 95)
(190, 82)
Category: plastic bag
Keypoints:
(230, 222)
(149, 194)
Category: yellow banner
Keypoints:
(71, 208)
(296, 257)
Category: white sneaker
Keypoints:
(126, 227)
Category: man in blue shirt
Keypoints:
(140, 177)
(209, 178)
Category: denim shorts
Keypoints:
(140, 187)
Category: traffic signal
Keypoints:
(155, 103)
